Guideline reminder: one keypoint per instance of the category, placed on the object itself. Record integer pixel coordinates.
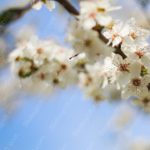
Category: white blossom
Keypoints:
(136, 86)
(122, 72)
(123, 33)
(96, 78)
(91, 82)
(50, 4)
(139, 52)
(117, 33)
(88, 41)
(92, 13)
(43, 62)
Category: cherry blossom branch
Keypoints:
(117, 48)
(99, 73)
(99, 29)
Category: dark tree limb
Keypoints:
(68, 6)
(102, 37)
(11, 15)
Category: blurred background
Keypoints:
(65, 120)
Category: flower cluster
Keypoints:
(110, 59)
(44, 64)
(87, 41)
(133, 70)
(96, 12)
(127, 53)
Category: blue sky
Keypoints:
(65, 120)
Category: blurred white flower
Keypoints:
(43, 62)
(96, 78)
(143, 101)
(50, 4)
(88, 41)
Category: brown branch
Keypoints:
(102, 37)
(12, 14)
(68, 6)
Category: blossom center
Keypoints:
(39, 50)
(101, 10)
(136, 82)
(42, 76)
(88, 81)
(146, 101)
(124, 67)
(92, 15)
(87, 42)
(133, 35)
(63, 66)
(139, 53)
